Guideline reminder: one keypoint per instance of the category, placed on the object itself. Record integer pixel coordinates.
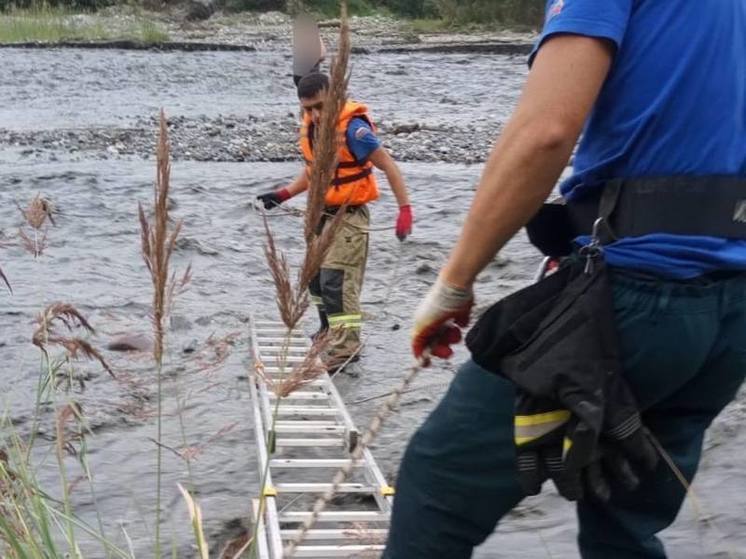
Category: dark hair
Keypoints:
(312, 84)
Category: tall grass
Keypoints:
(49, 24)
(32, 523)
(525, 12)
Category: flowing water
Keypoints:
(93, 261)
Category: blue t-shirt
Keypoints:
(361, 139)
(674, 103)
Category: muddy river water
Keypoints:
(93, 261)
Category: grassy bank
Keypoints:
(445, 12)
(48, 24)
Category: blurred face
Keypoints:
(313, 106)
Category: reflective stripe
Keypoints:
(566, 446)
(345, 318)
(528, 428)
(348, 326)
(316, 300)
(541, 418)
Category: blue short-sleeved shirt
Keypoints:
(361, 139)
(674, 103)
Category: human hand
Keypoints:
(404, 222)
(439, 319)
(273, 198)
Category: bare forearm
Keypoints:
(299, 185)
(396, 182)
(383, 161)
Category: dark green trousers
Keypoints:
(684, 350)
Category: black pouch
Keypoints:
(555, 338)
(552, 231)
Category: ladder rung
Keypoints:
(338, 534)
(311, 463)
(302, 396)
(286, 359)
(323, 487)
(321, 382)
(309, 410)
(309, 427)
(339, 443)
(336, 550)
(279, 349)
(337, 516)
(295, 340)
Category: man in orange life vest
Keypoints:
(336, 289)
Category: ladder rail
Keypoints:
(322, 425)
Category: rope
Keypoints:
(695, 500)
(281, 211)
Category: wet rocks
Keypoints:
(246, 139)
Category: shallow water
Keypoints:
(93, 261)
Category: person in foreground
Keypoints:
(336, 289)
(632, 348)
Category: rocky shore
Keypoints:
(237, 139)
(259, 137)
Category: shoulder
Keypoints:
(360, 129)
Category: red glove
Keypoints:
(404, 222)
(439, 319)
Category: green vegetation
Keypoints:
(448, 12)
(50, 24)
(442, 13)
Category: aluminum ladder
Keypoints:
(313, 436)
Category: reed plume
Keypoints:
(48, 333)
(158, 240)
(35, 215)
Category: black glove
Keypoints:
(553, 443)
(273, 198)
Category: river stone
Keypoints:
(130, 342)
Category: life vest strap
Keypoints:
(352, 178)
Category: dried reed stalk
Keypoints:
(325, 143)
(303, 373)
(158, 242)
(71, 411)
(37, 212)
(35, 216)
(291, 302)
(47, 333)
(5, 280)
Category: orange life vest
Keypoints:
(353, 181)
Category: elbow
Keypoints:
(553, 135)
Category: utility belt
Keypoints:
(713, 206)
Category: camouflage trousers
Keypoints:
(336, 288)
